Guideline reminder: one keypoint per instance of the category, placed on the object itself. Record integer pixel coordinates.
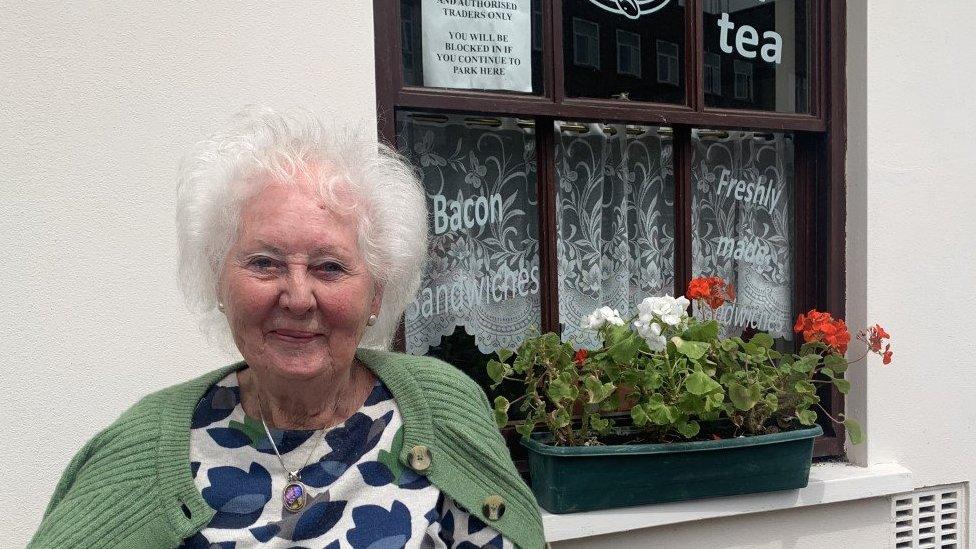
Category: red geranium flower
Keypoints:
(820, 326)
(580, 357)
(876, 339)
(713, 290)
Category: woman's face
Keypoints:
(295, 289)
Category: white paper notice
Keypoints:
(480, 44)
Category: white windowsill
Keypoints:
(829, 483)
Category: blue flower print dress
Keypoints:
(359, 495)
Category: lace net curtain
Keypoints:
(615, 220)
(483, 272)
(742, 219)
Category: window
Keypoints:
(743, 80)
(586, 43)
(628, 53)
(713, 73)
(667, 62)
(607, 183)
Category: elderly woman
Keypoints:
(304, 247)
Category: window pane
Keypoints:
(483, 274)
(607, 43)
(756, 54)
(742, 225)
(472, 45)
(614, 218)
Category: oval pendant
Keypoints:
(294, 496)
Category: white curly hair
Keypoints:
(264, 146)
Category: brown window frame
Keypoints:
(820, 137)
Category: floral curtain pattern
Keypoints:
(483, 271)
(614, 219)
(742, 225)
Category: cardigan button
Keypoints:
(493, 508)
(419, 458)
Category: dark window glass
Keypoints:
(631, 50)
(756, 54)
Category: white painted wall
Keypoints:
(97, 105)
(98, 101)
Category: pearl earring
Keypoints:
(371, 320)
(220, 306)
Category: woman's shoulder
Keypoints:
(442, 385)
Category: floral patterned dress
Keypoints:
(359, 495)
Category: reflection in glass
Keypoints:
(756, 54)
(742, 225)
(612, 52)
(412, 41)
(614, 218)
(483, 273)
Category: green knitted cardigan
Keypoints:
(131, 485)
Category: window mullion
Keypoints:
(546, 193)
(683, 196)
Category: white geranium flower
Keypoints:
(594, 321)
(612, 316)
(645, 309)
(601, 316)
(651, 332)
(671, 319)
(656, 343)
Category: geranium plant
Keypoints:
(679, 379)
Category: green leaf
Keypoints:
(806, 417)
(691, 349)
(806, 363)
(827, 372)
(688, 428)
(744, 398)
(804, 387)
(624, 351)
(501, 410)
(836, 363)
(561, 388)
(728, 345)
(713, 401)
(843, 385)
(597, 391)
(763, 340)
(652, 380)
(638, 415)
(497, 370)
(504, 354)
(559, 418)
(705, 332)
(659, 413)
(525, 429)
(854, 431)
(599, 424)
(772, 401)
(699, 384)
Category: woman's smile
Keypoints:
(295, 336)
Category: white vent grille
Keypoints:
(931, 518)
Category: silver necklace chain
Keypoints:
(293, 475)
